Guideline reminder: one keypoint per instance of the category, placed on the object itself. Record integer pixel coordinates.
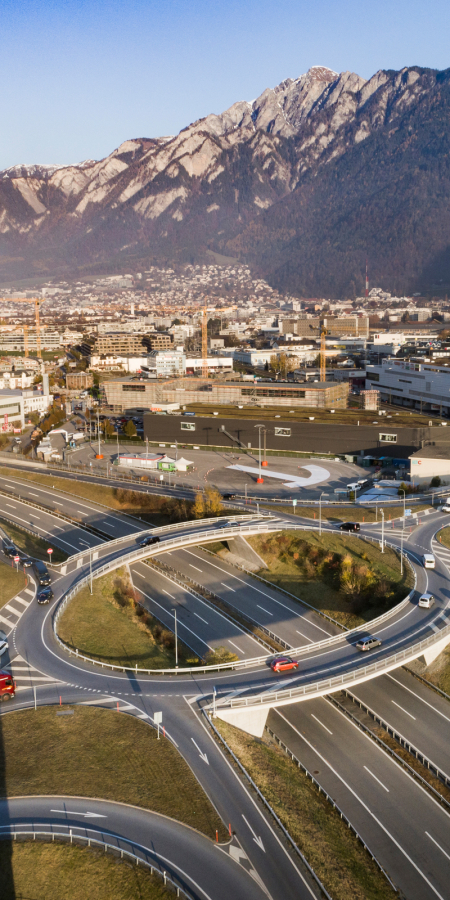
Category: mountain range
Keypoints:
(303, 184)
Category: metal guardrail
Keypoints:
(52, 512)
(268, 806)
(173, 543)
(114, 849)
(333, 803)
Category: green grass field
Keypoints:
(101, 753)
(285, 570)
(342, 864)
(40, 871)
(346, 513)
(11, 582)
(97, 626)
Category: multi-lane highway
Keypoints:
(371, 789)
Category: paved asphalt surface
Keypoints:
(401, 823)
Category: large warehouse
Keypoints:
(430, 462)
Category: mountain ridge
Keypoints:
(254, 182)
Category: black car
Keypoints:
(350, 526)
(9, 549)
(44, 595)
(25, 560)
(150, 539)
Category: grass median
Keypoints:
(347, 513)
(11, 582)
(32, 544)
(344, 867)
(346, 577)
(108, 626)
(41, 871)
(104, 754)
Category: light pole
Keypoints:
(260, 479)
(402, 491)
(323, 494)
(176, 639)
(90, 563)
(382, 530)
(99, 454)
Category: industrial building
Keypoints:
(122, 394)
(431, 461)
(415, 385)
(335, 326)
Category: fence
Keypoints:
(114, 849)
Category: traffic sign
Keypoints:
(17, 559)
(50, 551)
(408, 512)
(294, 503)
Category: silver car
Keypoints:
(368, 643)
(426, 601)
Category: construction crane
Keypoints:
(323, 359)
(205, 341)
(37, 301)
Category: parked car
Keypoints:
(44, 595)
(350, 526)
(426, 601)
(150, 539)
(368, 643)
(283, 664)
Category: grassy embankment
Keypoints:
(32, 544)
(346, 513)
(128, 635)
(38, 871)
(101, 753)
(11, 582)
(341, 863)
(346, 577)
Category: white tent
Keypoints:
(183, 464)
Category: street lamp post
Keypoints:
(323, 494)
(176, 639)
(382, 530)
(99, 454)
(402, 491)
(260, 479)
(90, 563)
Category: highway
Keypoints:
(382, 814)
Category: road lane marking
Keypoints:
(86, 815)
(304, 636)
(10, 505)
(196, 568)
(199, 617)
(437, 845)
(233, 645)
(264, 610)
(403, 710)
(321, 723)
(227, 587)
(377, 779)
(447, 719)
(169, 595)
(256, 839)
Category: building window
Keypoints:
(133, 387)
(188, 426)
(388, 438)
(282, 432)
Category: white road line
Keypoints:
(169, 595)
(227, 587)
(418, 697)
(403, 710)
(195, 567)
(28, 591)
(234, 645)
(364, 805)
(6, 621)
(321, 723)
(25, 603)
(33, 495)
(199, 617)
(10, 505)
(264, 610)
(304, 636)
(377, 779)
(437, 845)
(180, 624)
(11, 609)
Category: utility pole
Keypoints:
(260, 479)
(382, 530)
(176, 639)
(323, 494)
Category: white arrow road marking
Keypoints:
(257, 840)
(86, 815)
(203, 755)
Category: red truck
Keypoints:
(7, 685)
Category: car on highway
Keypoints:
(7, 685)
(426, 601)
(9, 549)
(429, 561)
(3, 643)
(350, 526)
(41, 572)
(368, 643)
(44, 595)
(150, 539)
(24, 559)
(283, 664)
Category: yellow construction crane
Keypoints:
(37, 301)
(323, 358)
(205, 341)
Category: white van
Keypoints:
(429, 561)
(426, 601)
(446, 507)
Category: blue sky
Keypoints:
(78, 77)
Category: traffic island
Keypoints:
(104, 754)
(37, 870)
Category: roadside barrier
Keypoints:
(333, 803)
(114, 849)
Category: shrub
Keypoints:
(220, 655)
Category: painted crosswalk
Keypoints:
(27, 676)
(118, 703)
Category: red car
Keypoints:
(283, 664)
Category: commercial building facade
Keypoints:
(421, 386)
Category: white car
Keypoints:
(426, 601)
(429, 561)
(446, 507)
